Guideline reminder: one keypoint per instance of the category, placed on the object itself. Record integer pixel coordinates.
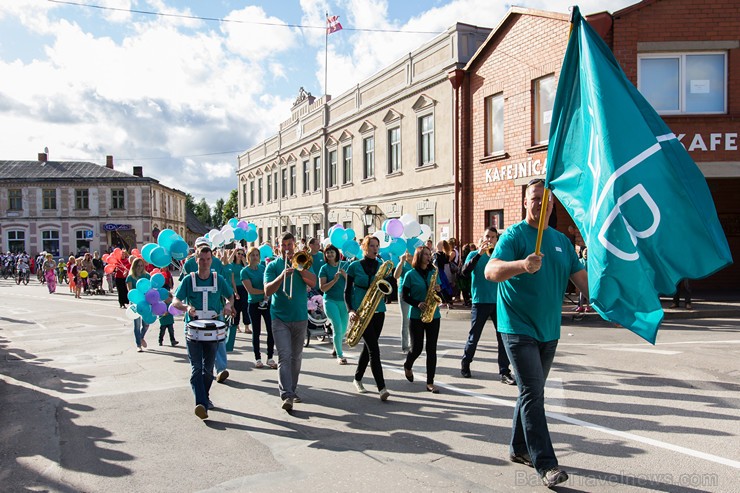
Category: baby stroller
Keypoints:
(95, 284)
(318, 325)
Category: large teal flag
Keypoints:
(641, 203)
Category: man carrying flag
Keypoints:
(630, 187)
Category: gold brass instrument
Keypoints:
(432, 300)
(378, 288)
(301, 260)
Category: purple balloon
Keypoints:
(242, 224)
(152, 296)
(394, 228)
(174, 311)
(159, 308)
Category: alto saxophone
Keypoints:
(378, 288)
(432, 300)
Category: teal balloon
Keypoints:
(146, 251)
(394, 258)
(143, 308)
(166, 237)
(351, 235)
(179, 249)
(384, 252)
(251, 226)
(148, 318)
(135, 296)
(163, 294)
(250, 235)
(233, 222)
(338, 237)
(157, 281)
(266, 251)
(143, 285)
(412, 244)
(398, 247)
(240, 234)
(351, 249)
(161, 257)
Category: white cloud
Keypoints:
(255, 41)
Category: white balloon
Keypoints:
(212, 232)
(131, 313)
(412, 229)
(426, 232)
(228, 235)
(325, 242)
(407, 218)
(383, 238)
(217, 240)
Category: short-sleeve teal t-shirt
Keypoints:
(418, 287)
(191, 265)
(187, 295)
(336, 292)
(256, 277)
(361, 283)
(317, 263)
(133, 280)
(531, 304)
(293, 309)
(481, 290)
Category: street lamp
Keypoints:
(368, 216)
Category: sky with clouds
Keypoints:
(183, 96)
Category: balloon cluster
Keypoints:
(112, 261)
(148, 299)
(396, 237)
(169, 246)
(233, 230)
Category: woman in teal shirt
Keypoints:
(138, 271)
(332, 280)
(252, 278)
(415, 289)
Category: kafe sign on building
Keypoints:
(530, 167)
(714, 142)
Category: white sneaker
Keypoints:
(384, 394)
(271, 363)
(360, 388)
(258, 364)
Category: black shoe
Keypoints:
(507, 379)
(521, 459)
(409, 374)
(174, 343)
(160, 343)
(554, 477)
(210, 405)
(465, 370)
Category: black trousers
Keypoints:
(417, 328)
(371, 351)
(122, 290)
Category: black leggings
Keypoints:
(256, 315)
(371, 351)
(242, 306)
(122, 290)
(417, 329)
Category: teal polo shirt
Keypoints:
(191, 265)
(418, 285)
(361, 283)
(255, 276)
(531, 304)
(281, 307)
(482, 290)
(336, 293)
(317, 263)
(216, 303)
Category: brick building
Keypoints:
(683, 55)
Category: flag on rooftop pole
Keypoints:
(332, 24)
(641, 203)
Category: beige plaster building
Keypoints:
(381, 150)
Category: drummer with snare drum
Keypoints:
(201, 296)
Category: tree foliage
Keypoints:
(203, 212)
(218, 214)
(231, 207)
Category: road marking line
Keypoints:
(642, 350)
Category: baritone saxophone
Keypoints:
(378, 288)
(432, 299)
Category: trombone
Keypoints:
(301, 260)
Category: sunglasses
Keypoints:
(536, 181)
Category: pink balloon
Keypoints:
(394, 228)
(174, 311)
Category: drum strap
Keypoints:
(204, 290)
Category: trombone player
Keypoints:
(483, 294)
(360, 276)
(288, 285)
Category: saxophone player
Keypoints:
(360, 275)
(419, 292)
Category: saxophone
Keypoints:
(378, 288)
(432, 300)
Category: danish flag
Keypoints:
(332, 24)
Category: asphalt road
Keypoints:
(83, 411)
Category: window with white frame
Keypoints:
(284, 182)
(676, 83)
(16, 241)
(251, 192)
(50, 241)
(316, 173)
(306, 177)
(117, 198)
(544, 99)
(426, 140)
(275, 183)
(259, 190)
(368, 162)
(292, 179)
(244, 195)
(332, 171)
(494, 115)
(15, 199)
(49, 199)
(269, 188)
(347, 164)
(82, 242)
(82, 199)
(394, 150)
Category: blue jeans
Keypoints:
(221, 357)
(479, 315)
(202, 356)
(140, 328)
(289, 337)
(531, 360)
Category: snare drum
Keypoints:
(205, 330)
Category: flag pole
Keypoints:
(546, 194)
(326, 54)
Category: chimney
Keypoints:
(138, 171)
(42, 157)
(109, 162)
